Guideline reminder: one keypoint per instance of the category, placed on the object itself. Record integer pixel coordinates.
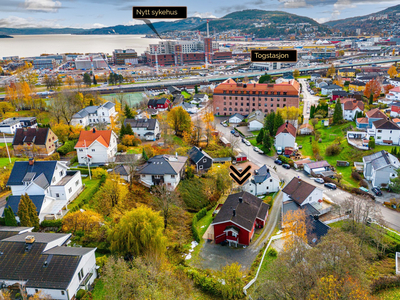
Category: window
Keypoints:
(379, 131)
(62, 293)
(36, 290)
(77, 182)
(284, 99)
(93, 150)
(204, 160)
(390, 131)
(200, 167)
(103, 113)
(80, 121)
(70, 190)
(53, 180)
(172, 176)
(61, 173)
(57, 195)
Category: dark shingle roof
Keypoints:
(237, 115)
(196, 154)
(386, 124)
(121, 170)
(31, 135)
(149, 124)
(245, 212)
(62, 262)
(298, 190)
(163, 164)
(22, 167)
(263, 174)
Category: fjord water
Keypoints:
(34, 45)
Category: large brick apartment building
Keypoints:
(231, 97)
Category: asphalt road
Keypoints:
(308, 100)
(338, 196)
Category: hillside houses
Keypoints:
(34, 141)
(351, 107)
(380, 167)
(145, 129)
(370, 117)
(285, 137)
(394, 94)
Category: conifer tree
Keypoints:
(260, 136)
(144, 155)
(27, 212)
(122, 131)
(128, 112)
(10, 217)
(267, 143)
(94, 80)
(128, 129)
(91, 102)
(338, 114)
(278, 122)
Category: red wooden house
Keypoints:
(159, 104)
(238, 217)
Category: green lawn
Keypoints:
(135, 150)
(186, 95)
(98, 291)
(271, 152)
(90, 188)
(4, 144)
(389, 294)
(4, 161)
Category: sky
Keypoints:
(102, 13)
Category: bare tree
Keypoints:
(165, 199)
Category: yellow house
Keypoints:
(347, 72)
(357, 86)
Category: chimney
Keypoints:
(31, 161)
(94, 130)
(200, 149)
(240, 199)
(176, 155)
(316, 217)
(29, 240)
(234, 212)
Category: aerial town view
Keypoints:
(199, 150)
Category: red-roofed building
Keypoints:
(231, 97)
(96, 147)
(394, 94)
(285, 137)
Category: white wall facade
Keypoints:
(234, 120)
(255, 125)
(269, 185)
(10, 129)
(140, 132)
(171, 181)
(100, 154)
(386, 134)
(284, 140)
(350, 114)
(313, 197)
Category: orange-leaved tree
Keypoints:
(294, 227)
(387, 88)
(392, 71)
(373, 87)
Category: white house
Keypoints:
(255, 123)
(328, 89)
(306, 129)
(95, 114)
(49, 184)
(10, 126)
(199, 98)
(96, 147)
(380, 167)
(351, 107)
(145, 129)
(303, 193)
(395, 109)
(385, 132)
(394, 94)
(285, 137)
(395, 81)
(236, 119)
(189, 107)
(263, 181)
(163, 169)
(44, 264)
(318, 167)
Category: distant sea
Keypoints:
(34, 45)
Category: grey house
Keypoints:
(380, 167)
(200, 159)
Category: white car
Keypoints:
(247, 143)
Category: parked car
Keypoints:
(255, 149)
(364, 189)
(377, 191)
(243, 140)
(330, 185)
(233, 131)
(247, 143)
(278, 161)
(286, 166)
(224, 124)
(260, 151)
(319, 180)
(236, 134)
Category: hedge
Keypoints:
(67, 147)
(196, 218)
(384, 283)
(3, 221)
(206, 283)
(51, 223)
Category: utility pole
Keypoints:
(87, 160)
(8, 152)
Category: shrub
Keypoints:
(384, 283)
(67, 147)
(74, 160)
(130, 140)
(80, 294)
(356, 176)
(272, 252)
(333, 149)
(51, 223)
(2, 221)
(192, 193)
(98, 172)
(121, 148)
(364, 183)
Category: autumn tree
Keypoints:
(331, 71)
(296, 73)
(294, 227)
(88, 222)
(387, 88)
(27, 212)
(139, 232)
(372, 88)
(338, 80)
(111, 195)
(208, 119)
(392, 71)
(69, 80)
(233, 279)
(165, 199)
(64, 105)
(179, 120)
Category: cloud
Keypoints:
(294, 3)
(17, 22)
(42, 5)
(203, 15)
(98, 25)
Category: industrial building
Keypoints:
(84, 62)
(124, 57)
